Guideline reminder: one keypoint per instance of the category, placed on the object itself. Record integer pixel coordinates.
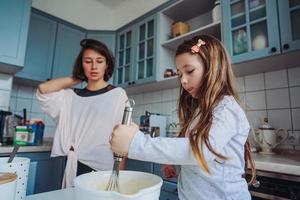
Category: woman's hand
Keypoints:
(169, 171)
(122, 137)
(57, 84)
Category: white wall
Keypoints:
(97, 14)
(5, 90)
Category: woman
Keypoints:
(84, 117)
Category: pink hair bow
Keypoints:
(196, 47)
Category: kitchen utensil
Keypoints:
(10, 124)
(13, 153)
(113, 184)
(267, 137)
(24, 115)
(19, 166)
(134, 185)
(3, 119)
(8, 183)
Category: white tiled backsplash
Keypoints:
(275, 95)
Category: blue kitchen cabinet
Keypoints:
(107, 37)
(137, 165)
(145, 59)
(45, 173)
(124, 57)
(168, 191)
(67, 47)
(40, 48)
(289, 20)
(14, 23)
(251, 29)
(136, 53)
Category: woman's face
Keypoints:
(190, 69)
(94, 65)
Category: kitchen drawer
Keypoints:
(169, 191)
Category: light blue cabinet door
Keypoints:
(40, 49)
(14, 23)
(169, 191)
(145, 57)
(66, 50)
(289, 18)
(251, 29)
(31, 178)
(136, 165)
(124, 57)
(108, 38)
(45, 173)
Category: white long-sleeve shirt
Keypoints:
(227, 136)
(84, 123)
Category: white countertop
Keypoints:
(64, 194)
(46, 146)
(284, 162)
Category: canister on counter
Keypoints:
(21, 135)
(8, 184)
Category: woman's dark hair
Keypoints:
(99, 47)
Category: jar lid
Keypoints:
(6, 177)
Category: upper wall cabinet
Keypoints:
(40, 48)
(289, 18)
(252, 29)
(145, 59)
(124, 55)
(14, 23)
(107, 37)
(249, 29)
(67, 48)
(136, 53)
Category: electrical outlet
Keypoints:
(293, 138)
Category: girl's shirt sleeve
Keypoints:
(51, 103)
(228, 121)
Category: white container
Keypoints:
(216, 12)
(8, 184)
(20, 166)
(133, 185)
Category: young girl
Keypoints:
(212, 146)
(85, 117)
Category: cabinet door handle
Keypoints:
(273, 49)
(129, 83)
(286, 46)
(133, 82)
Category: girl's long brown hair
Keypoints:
(218, 80)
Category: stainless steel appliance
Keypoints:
(8, 122)
(275, 186)
(153, 124)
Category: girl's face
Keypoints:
(190, 69)
(94, 65)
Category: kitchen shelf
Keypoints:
(210, 29)
(167, 83)
(184, 10)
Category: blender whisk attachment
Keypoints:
(113, 183)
